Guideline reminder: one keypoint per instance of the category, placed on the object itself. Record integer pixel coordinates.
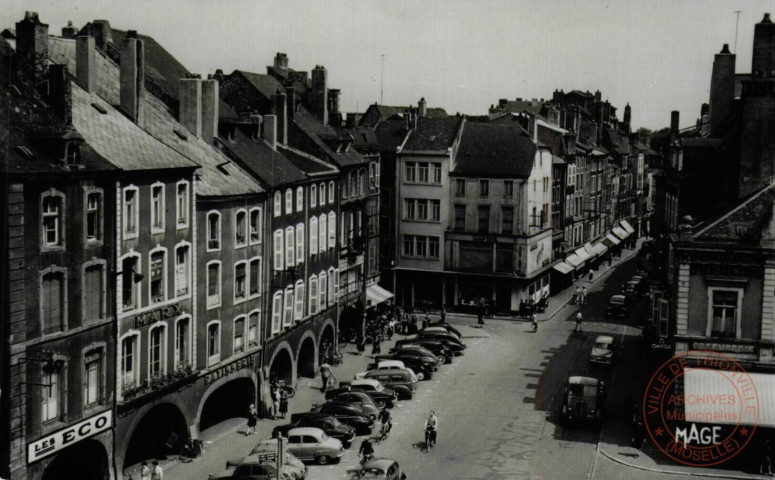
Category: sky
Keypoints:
(459, 55)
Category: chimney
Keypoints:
(209, 110)
(532, 127)
(103, 34)
(319, 93)
(350, 120)
(32, 47)
(674, 118)
(85, 66)
(705, 126)
(190, 105)
(69, 31)
(59, 92)
(290, 97)
(280, 109)
(763, 64)
(281, 64)
(598, 96)
(333, 97)
(627, 116)
(421, 107)
(722, 87)
(270, 131)
(132, 77)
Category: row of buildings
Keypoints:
(173, 243)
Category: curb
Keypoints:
(674, 472)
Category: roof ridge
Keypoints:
(735, 209)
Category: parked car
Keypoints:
(443, 353)
(631, 289)
(369, 409)
(617, 306)
(444, 337)
(312, 444)
(642, 283)
(351, 415)
(256, 468)
(378, 469)
(383, 397)
(603, 351)
(438, 328)
(398, 380)
(386, 362)
(267, 449)
(583, 399)
(361, 399)
(421, 364)
(329, 424)
(448, 328)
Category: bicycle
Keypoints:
(429, 440)
(384, 432)
(191, 450)
(289, 390)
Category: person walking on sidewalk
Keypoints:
(283, 404)
(325, 375)
(577, 328)
(276, 402)
(591, 275)
(638, 437)
(443, 315)
(156, 472)
(252, 419)
(145, 471)
(765, 466)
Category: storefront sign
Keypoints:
(724, 347)
(163, 313)
(227, 369)
(485, 238)
(66, 437)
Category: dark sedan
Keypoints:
(617, 306)
(435, 347)
(382, 396)
(348, 414)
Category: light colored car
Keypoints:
(255, 468)
(389, 365)
(603, 351)
(296, 466)
(312, 444)
(378, 469)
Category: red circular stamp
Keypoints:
(710, 417)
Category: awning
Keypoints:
(627, 227)
(620, 233)
(582, 254)
(563, 268)
(600, 248)
(611, 238)
(590, 250)
(574, 261)
(376, 295)
(719, 384)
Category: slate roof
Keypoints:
(306, 163)
(744, 221)
(433, 134)
(391, 134)
(387, 111)
(265, 84)
(257, 157)
(494, 150)
(520, 106)
(326, 138)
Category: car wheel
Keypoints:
(420, 376)
(323, 460)
(380, 404)
(442, 360)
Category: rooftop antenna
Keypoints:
(382, 81)
(737, 24)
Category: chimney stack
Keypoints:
(281, 64)
(674, 118)
(69, 31)
(319, 93)
(421, 106)
(209, 121)
(280, 109)
(59, 92)
(103, 34)
(290, 97)
(85, 66)
(270, 131)
(32, 47)
(763, 64)
(722, 88)
(627, 116)
(132, 76)
(333, 101)
(190, 105)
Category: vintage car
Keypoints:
(437, 346)
(583, 399)
(382, 396)
(257, 467)
(440, 329)
(378, 469)
(387, 362)
(421, 364)
(268, 447)
(445, 337)
(361, 399)
(603, 351)
(312, 444)
(347, 413)
(329, 424)
(617, 306)
(631, 290)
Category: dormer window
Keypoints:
(73, 154)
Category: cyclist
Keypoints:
(431, 427)
(366, 450)
(385, 420)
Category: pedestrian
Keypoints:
(578, 322)
(765, 467)
(156, 471)
(252, 419)
(534, 323)
(638, 437)
(583, 295)
(283, 404)
(361, 344)
(443, 315)
(591, 275)
(325, 373)
(425, 323)
(276, 402)
(376, 348)
(480, 320)
(145, 471)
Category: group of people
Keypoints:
(151, 473)
(279, 402)
(580, 295)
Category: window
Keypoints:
(483, 218)
(460, 187)
(131, 212)
(436, 172)
(460, 217)
(507, 219)
(323, 235)
(420, 247)
(240, 228)
(361, 181)
(313, 295)
(52, 221)
(436, 210)
(409, 170)
(313, 195)
(422, 209)
(94, 216)
(255, 225)
(331, 192)
(213, 342)
(336, 283)
(182, 270)
(409, 208)
(183, 342)
(240, 282)
(277, 312)
(484, 188)
(323, 288)
(277, 244)
(331, 229)
(298, 295)
(278, 204)
(508, 188)
(158, 282)
(51, 394)
(181, 204)
(254, 326)
(376, 174)
(93, 291)
(130, 282)
(290, 247)
(288, 310)
(92, 377)
(238, 343)
(433, 247)
(313, 235)
(53, 295)
(254, 277)
(288, 201)
(213, 284)
(408, 245)
(300, 243)
(723, 319)
(129, 358)
(299, 199)
(213, 231)
(331, 286)
(422, 172)
(157, 208)
(156, 356)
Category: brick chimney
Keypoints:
(190, 105)
(281, 64)
(627, 116)
(85, 63)
(722, 88)
(319, 93)
(32, 47)
(674, 118)
(210, 88)
(333, 101)
(421, 107)
(132, 77)
(290, 96)
(102, 33)
(69, 31)
(280, 109)
(270, 131)
(59, 92)
(763, 64)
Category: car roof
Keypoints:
(365, 381)
(395, 363)
(380, 463)
(636, 277)
(387, 371)
(604, 339)
(579, 380)
(618, 297)
(305, 431)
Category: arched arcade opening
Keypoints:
(86, 460)
(282, 366)
(305, 361)
(230, 400)
(162, 431)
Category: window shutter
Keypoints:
(331, 229)
(664, 317)
(278, 250)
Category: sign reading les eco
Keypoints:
(66, 437)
